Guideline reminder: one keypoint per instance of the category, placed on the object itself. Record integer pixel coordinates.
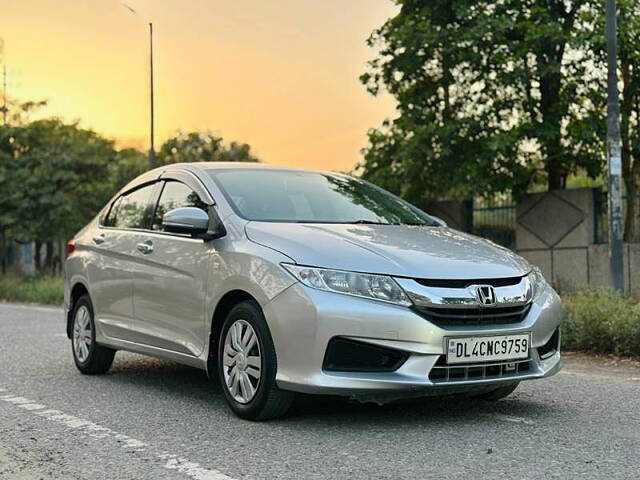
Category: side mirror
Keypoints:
(195, 222)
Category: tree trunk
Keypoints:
(447, 79)
(61, 247)
(3, 250)
(36, 256)
(630, 221)
(48, 258)
(555, 174)
(552, 112)
(629, 168)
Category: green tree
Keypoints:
(489, 97)
(629, 58)
(127, 165)
(20, 112)
(11, 176)
(60, 179)
(202, 147)
(11, 192)
(629, 84)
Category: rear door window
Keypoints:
(109, 220)
(132, 210)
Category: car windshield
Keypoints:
(313, 197)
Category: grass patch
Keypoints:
(599, 321)
(39, 289)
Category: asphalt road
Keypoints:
(154, 419)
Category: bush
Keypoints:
(599, 321)
(39, 289)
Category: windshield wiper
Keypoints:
(369, 222)
(349, 222)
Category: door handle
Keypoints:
(99, 239)
(145, 247)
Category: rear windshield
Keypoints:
(312, 197)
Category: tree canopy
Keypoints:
(54, 177)
(491, 96)
(203, 147)
(58, 176)
(629, 84)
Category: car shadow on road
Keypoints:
(192, 386)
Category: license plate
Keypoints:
(486, 349)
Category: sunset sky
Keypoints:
(281, 75)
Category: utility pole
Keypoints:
(614, 159)
(152, 151)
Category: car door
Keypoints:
(169, 280)
(110, 269)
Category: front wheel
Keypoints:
(247, 365)
(89, 357)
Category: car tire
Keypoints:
(499, 393)
(89, 357)
(240, 355)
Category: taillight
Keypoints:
(71, 247)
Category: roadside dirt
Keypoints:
(602, 365)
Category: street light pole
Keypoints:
(4, 108)
(614, 159)
(152, 151)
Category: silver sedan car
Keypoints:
(277, 281)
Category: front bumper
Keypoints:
(303, 321)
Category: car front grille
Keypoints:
(456, 317)
(443, 373)
(452, 283)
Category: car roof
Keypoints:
(201, 167)
(240, 165)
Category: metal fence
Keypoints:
(601, 216)
(495, 219)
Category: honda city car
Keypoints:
(278, 280)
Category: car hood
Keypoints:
(399, 250)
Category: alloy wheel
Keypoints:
(242, 361)
(82, 334)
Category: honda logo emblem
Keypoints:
(486, 295)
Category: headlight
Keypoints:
(377, 287)
(537, 282)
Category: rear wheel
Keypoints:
(499, 393)
(89, 357)
(247, 365)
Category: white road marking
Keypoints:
(31, 406)
(169, 461)
(15, 400)
(191, 469)
(89, 428)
